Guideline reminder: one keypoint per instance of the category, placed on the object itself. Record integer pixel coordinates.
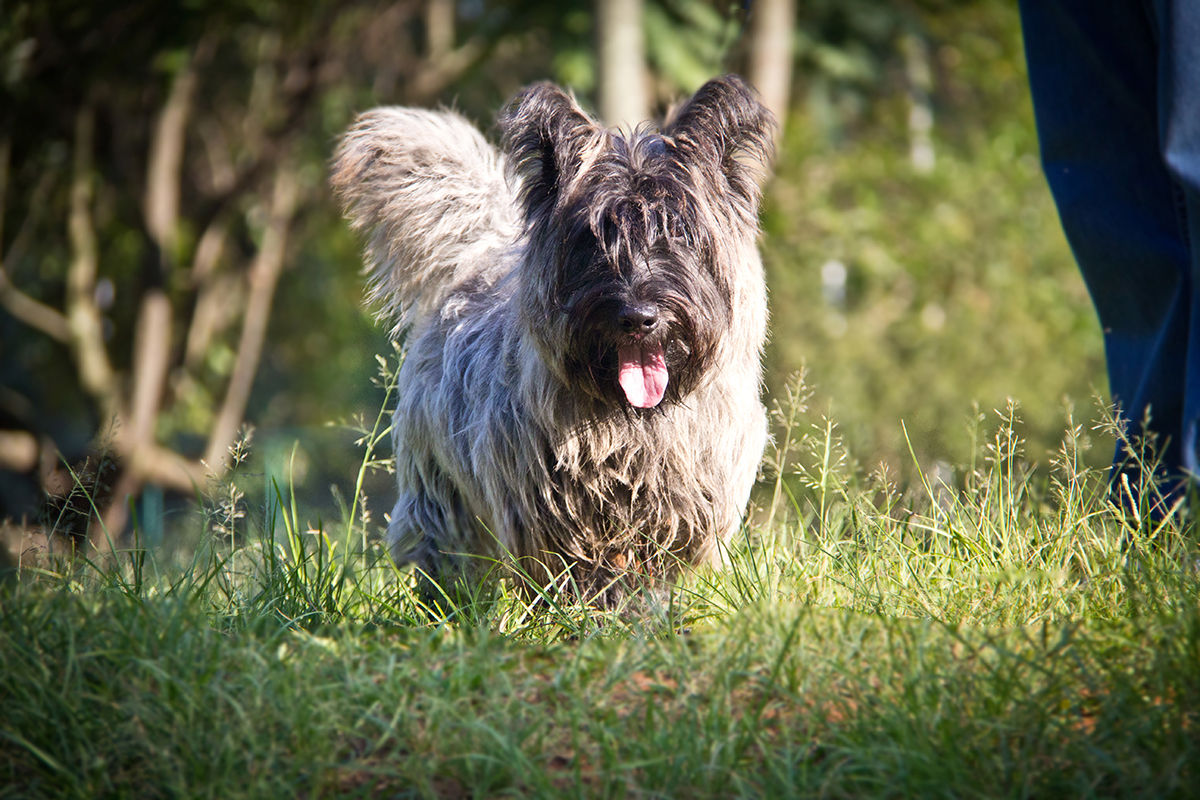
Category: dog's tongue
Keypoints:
(642, 374)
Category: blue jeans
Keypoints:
(1116, 92)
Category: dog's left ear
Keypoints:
(546, 134)
(725, 124)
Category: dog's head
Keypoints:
(635, 238)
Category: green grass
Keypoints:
(1002, 632)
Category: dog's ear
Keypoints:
(546, 134)
(726, 125)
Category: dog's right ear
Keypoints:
(546, 134)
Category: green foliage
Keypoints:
(911, 295)
(689, 41)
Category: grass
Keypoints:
(1003, 631)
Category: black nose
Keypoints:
(638, 317)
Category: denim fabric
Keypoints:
(1116, 93)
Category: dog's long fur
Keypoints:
(525, 281)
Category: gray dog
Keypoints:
(586, 314)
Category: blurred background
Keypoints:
(174, 269)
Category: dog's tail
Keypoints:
(429, 195)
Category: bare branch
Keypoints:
(264, 275)
(164, 170)
(208, 252)
(168, 469)
(152, 356)
(33, 313)
(29, 311)
(5, 157)
(18, 451)
(164, 174)
(440, 73)
(144, 458)
(439, 28)
(83, 317)
(221, 175)
(37, 203)
(135, 438)
(211, 293)
(218, 304)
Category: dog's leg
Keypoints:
(427, 531)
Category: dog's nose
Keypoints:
(638, 317)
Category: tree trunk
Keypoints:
(919, 76)
(771, 24)
(622, 55)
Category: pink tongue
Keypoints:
(642, 374)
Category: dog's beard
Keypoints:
(642, 373)
(638, 373)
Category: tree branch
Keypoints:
(18, 451)
(165, 168)
(205, 281)
(83, 317)
(144, 458)
(264, 275)
(32, 312)
(151, 358)
(439, 28)
(440, 73)
(5, 157)
(29, 311)
(37, 203)
(168, 469)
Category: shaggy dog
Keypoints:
(585, 312)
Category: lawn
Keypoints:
(1008, 632)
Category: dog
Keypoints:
(585, 313)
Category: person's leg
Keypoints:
(1179, 122)
(1095, 72)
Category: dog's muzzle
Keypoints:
(642, 365)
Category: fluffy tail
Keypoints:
(429, 195)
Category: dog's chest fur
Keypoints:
(564, 471)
